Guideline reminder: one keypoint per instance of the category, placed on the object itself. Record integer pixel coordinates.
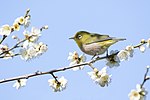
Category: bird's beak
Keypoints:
(71, 38)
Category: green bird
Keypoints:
(93, 43)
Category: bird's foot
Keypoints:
(95, 56)
(107, 53)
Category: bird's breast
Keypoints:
(93, 48)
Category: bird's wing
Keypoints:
(97, 38)
(101, 40)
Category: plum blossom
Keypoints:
(5, 30)
(100, 77)
(58, 85)
(76, 59)
(20, 83)
(148, 43)
(125, 54)
(142, 49)
(33, 51)
(113, 60)
(138, 94)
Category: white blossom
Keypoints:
(59, 85)
(32, 36)
(100, 77)
(113, 60)
(16, 26)
(3, 48)
(130, 50)
(138, 94)
(27, 54)
(5, 30)
(76, 59)
(46, 27)
(27, 21)
(27, 44)
(24, 54)
(41, 48)
(20, 83)
(35, 34)
(142, 49)
(32, 50)
(35, 31)
(147, 77)
(147, 66)
(20, 20)
(123, 55)
(148, 43)
(73, 56)
(134, 95)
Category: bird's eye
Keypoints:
(79, 36)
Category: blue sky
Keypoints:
(119, 18)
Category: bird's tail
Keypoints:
(119, 39)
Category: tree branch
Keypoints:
(38, 73)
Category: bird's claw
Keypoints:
(95, 56)
(107, 53)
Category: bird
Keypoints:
(93, 43)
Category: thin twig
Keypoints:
(55, 77)
(140, 44)
(145, 77)
(10, 56)
(27, 13)
(15, 46)
(3, 38)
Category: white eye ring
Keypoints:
(79, 36)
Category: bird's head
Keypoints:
(80, 37)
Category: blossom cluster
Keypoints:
(129, 50)
(117, 56)
(140, 92)
(29, 47)
(7, 29)
(100, 77)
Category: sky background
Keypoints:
(129, 19)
